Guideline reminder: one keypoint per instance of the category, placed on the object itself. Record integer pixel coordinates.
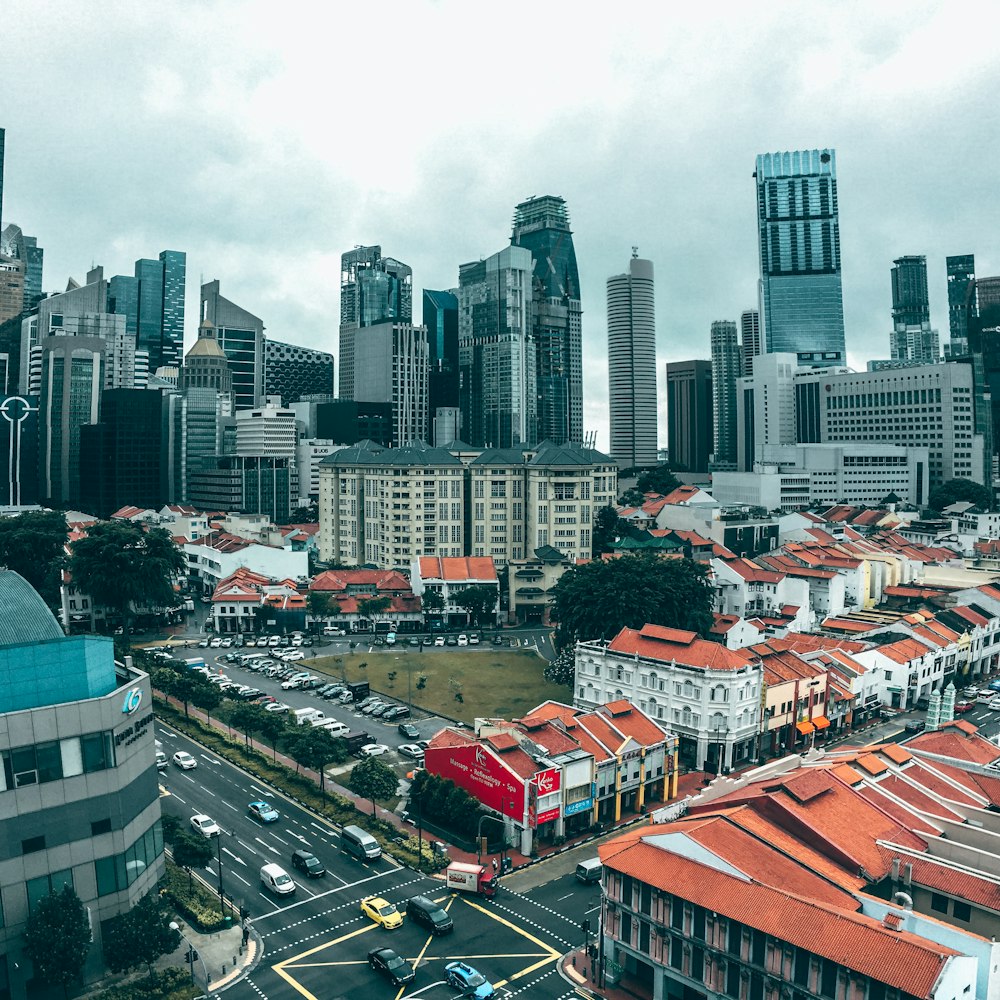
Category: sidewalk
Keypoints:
(577, 968)
(222, 960)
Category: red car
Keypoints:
(961, 707)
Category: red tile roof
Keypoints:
(374, 580)
(671, 644)
(958, 739)
(457, 570)
(897, 958)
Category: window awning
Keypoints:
(820, 721)
(804, 727)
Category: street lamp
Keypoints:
(191, 954)
(218, 844)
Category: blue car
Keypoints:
(263, 811)
(465, 978)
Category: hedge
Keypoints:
(198, 904)
(167, 984)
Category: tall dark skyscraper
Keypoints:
(750, 343)
(17, 246)
(440, 314)
(632, 365)
(3, 134)
(727, 368)
(373, 290)
(801, 300)
(241, 336)
(910, 300)
(689, 414)
(961, 271)
(542, 226)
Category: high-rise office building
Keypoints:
(121, 459)
(726, 371)
(497, 388)
(632, 365)
(440, 315)
(241, 336)
(14, 244)
(206, 364)
(801, 299)
(541, 225)
(292, 372)
(912, 338)
(11, 288)
(391, 367)
(910, 300)
(373, 289)
(961, 271)
(690, 436)
(750, 342)
(2, 144)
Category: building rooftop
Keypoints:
(25, 618)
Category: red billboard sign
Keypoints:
(548, 815)
(481, 774)
(548, 781)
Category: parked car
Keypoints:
(408, 729)
(427, 641)
(463, 640)
(473, 640)
(307, 862)
(498, 640)
(386, 961)
(263, 811)
(439, 640)
(276, 706)
(205, 825)
(994, 705)
(184, 760)
(412, 751)
(373, 750)
(451, 641)
(398, 712)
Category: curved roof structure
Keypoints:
(26, 617)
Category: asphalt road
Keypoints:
(317, 943)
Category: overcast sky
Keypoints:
(264, 141)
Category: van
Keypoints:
(319, 719)
(589, 871)
(334, 727)
(275, 879)
(359, 844)
(422, 910)
(304, 715)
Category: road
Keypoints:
(317, 944)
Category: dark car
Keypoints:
(414, 641)
(923, 704)
(498, 640)
(408, 729)
(915, 726)
(386, 961)
(308, 863)
(427, 641)
(307, 641)
(399, 712)
(422, 910)
(452, 640)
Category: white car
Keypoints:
(273, 640)
(292, 684)
(994, 705)
(184, 760)
(412, 750)
(297, 640)
(205, 825)
(473, 640)
(439, 640)
(373, 750)
(295, 654)
(215, 643)
(463, 640)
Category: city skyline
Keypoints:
(233, 153)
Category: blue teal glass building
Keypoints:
(801, 299)
(440, 315)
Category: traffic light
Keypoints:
(192, 955)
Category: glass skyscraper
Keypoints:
(241, 336)
(801, 301)
(910, 300)
(440, 313)
(961, 271)
(541, 225)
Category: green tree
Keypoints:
(480, 602)
(191, 852)
(140, 936)
(33, 544)
(371, 779)
(58, 938)
(599, 599)
(606, 529)
(961, 491)
(316, 749)
(658, 480)
(206, 696)
(431, 603)
(369, 607)
(562, 670)
(248, 718)
(184, 689)
(272, 727)
(123, 567)
(318, 603)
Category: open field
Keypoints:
(505, 683)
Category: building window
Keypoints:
(32, 845)
(100, 826)
(961, 911)
(119, 871)
(939, 903)
(54, 882)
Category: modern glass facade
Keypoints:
(497, 385)
(174, 264)
(241, 336)
(801, 300)
(440, 313)
(726, 369)
(961, 272)
(541, 225)
(13, 243)
(910, 300)
(292, 372)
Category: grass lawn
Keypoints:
(503, 683)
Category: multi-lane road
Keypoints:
(316, 942)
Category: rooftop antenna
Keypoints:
(635, 252)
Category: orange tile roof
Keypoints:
(670, 644)
(633, 722)
(959, 740)
(457, 569)
(937, 874)
(377, 580)
(897, 958)
(904, 650)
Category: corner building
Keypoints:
(78, 786)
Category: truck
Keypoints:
(193, 662)
(355, 741)
(304, 715)
(359, 690)
(477, 879)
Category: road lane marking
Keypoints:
(268, 846)
(240, 877)
(179, 799)
(561, 898)
(225, 850)
(280, 841)
(228, 806)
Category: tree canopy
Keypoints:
(122, 566)
(369, 607)
(58, 938)
(479, 600)
(371, 779)
(607, 527)
(600, 598)
(140, 936)
(32, 544)
(562, 670)
(191, 852)
(315, 749)
(961, 491)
